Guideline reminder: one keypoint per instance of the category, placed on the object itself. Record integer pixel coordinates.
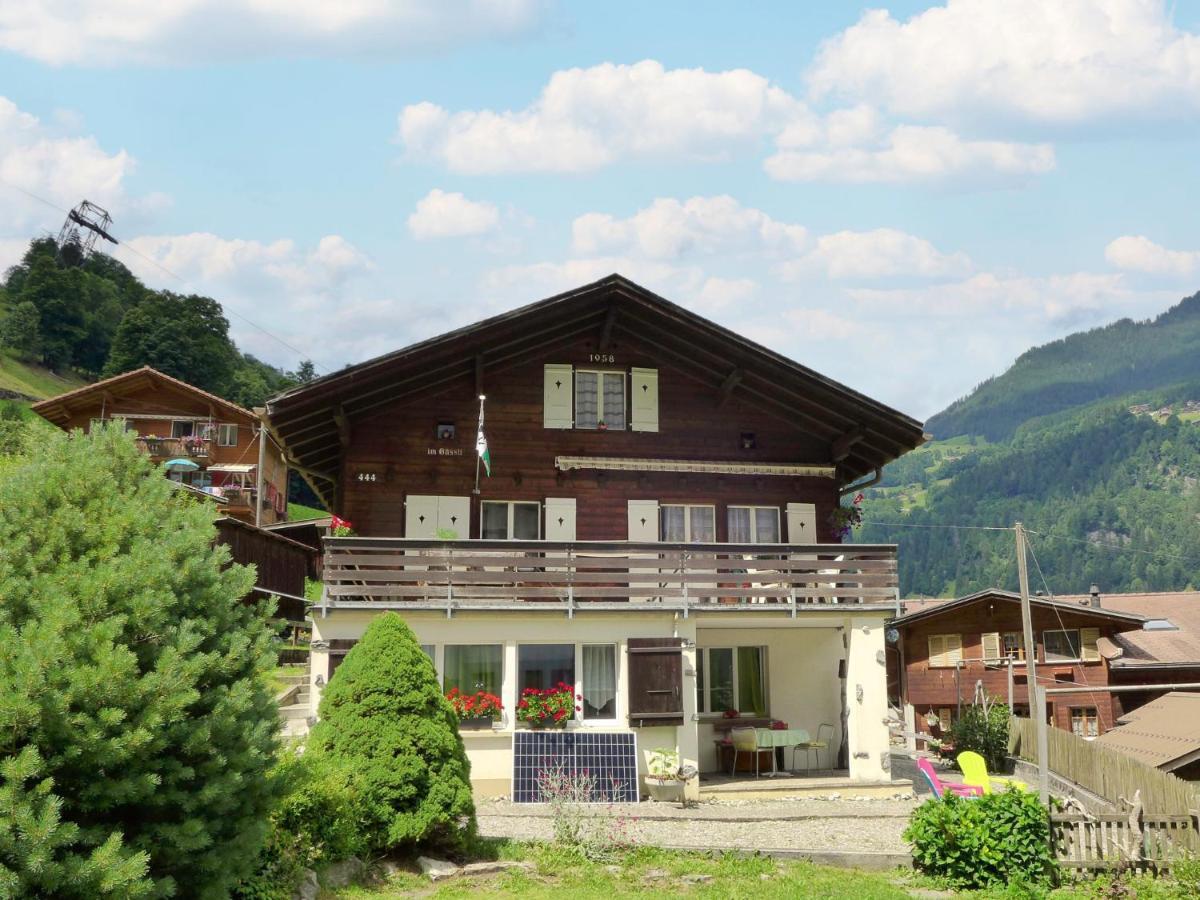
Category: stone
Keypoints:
(764, 877)
(436, 869)
(612, 870)
(656, 875)
(309, 887)
(496, 867)
(342, 874)
(389, 867)
(696, 878)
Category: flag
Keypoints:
(481, 446)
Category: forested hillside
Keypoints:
(1092, 441)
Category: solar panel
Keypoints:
(605, 762)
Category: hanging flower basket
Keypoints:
(549, 708)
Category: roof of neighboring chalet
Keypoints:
(920, 610)
(59, 409)
(1175, 643)
(1165, 733)
(310, 420)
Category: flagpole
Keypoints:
(478, 458)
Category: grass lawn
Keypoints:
(298, 512)
(34, 381)
(565, 872)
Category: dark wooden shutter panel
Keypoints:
(338, 648)
(655, 681)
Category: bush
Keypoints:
(983, 728)
(983, 841)
(384, 714)
(136, 731)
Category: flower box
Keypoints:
(476, 723)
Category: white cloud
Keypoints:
(1066, 61)
(884, 252)
(150, 31)
(440, 214)
(669, 229)
(1140, 254)
(588, 118)
(908, 153)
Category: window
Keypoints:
(945, 650)
(543, 666)
(680, 524)
(732, 678)
(599, 687)
(427, 649)
(227, 435)
(600, 397)
(1084, 722)
(503, 520)
(182, 429)
(753, 524)
(473, 667)
(1013, 646)
(1061, 646)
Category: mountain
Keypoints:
(1092, 441)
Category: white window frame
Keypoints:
(687, 518)
(221, 442)
(1094, 718)
(703, 661)
(512, 504)
(1078, 643)
(754, 521)
(190, 422)
(439, 660)
(618, 705)
(600, 374)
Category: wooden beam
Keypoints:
(342, 421)
(840, 448)
(606, 329)
(727, 386)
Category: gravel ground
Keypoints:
(858, 825)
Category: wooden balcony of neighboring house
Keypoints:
(376, 572)
(236, 497)
(160, 448)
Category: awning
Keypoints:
(235, 468)
(716, 467)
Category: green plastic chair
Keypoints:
(975, 773)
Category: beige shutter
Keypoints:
(1088, 638)
(420, 517)
(560, 519)
(953, 649)
(556, 395)
(937, 650)
(644, 399)
(991, 646)
(643, 520)
(801, 523)
(454, 518)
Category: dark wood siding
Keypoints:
(655, 681)
(280, 564)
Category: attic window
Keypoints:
(445, 431)
(1159, 625)
(749, 442)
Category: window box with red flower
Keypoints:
(550, 707)
(475, 711)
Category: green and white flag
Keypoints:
(481, 446)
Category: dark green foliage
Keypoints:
(384, 713)
(136, 730)
(983, 729)
(21, 331)
(984, 841)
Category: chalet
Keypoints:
(660, 528)
(205, 442)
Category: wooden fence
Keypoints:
(1120, 840)
(1105, 772)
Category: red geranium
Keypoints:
(480, 705)
(546, 707)
(341, 527)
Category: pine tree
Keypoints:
(136, 730)
(385, 713)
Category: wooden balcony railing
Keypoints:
(175, 448)
(400, 573)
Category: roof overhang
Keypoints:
(1129, 619)
(714, 467)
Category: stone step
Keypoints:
(292, 679)
(295, 711)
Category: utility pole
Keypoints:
(1026, 618)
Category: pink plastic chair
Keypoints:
(939, 789)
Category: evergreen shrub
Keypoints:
(136, 729)
(980, 842)
(384, 714)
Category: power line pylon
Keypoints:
(85, 224)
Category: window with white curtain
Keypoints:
(687, 524)
(504, 520)
(599, 684)
(599, 397)
(753, 524)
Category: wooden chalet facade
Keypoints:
(658, 527)
(946, 650)
(219, 443)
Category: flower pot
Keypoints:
(663, 789)
(475, 723)
(550, 725)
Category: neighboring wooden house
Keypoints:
(658, 530)
(1164, 733)
(281, 565)
(220, 445)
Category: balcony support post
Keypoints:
(683, 571)
(792, 601)
(570, 601)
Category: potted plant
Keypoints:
(601, 426)
(664, 777)
(548, 708)
(475, 711)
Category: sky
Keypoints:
(903, 197)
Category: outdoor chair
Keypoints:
(975, 773)
(744, 740)
(819, 743)
(925, 767)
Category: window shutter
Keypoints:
(953, 649)
(1088, 640)
(454, 515)
(338, 648)
(655, 681)
(643, 520)
(560, 519)
(556, 395)
(420, 517)
(991, 646)
(937, 650)
(802, 523)
(644, 399)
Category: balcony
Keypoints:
(175, 448)
(368, 572)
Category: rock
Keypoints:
(309, 887)
(436, 868)
(764, 877)
(612, 870)
(696, 878)
(656, 875)
(496, 866)
(344, 873)
(389, 867)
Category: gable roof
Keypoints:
(928, 609)
(1177, 647)
(309, 420)
(1165, 733)
(59, 409)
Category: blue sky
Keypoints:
(904, 198)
